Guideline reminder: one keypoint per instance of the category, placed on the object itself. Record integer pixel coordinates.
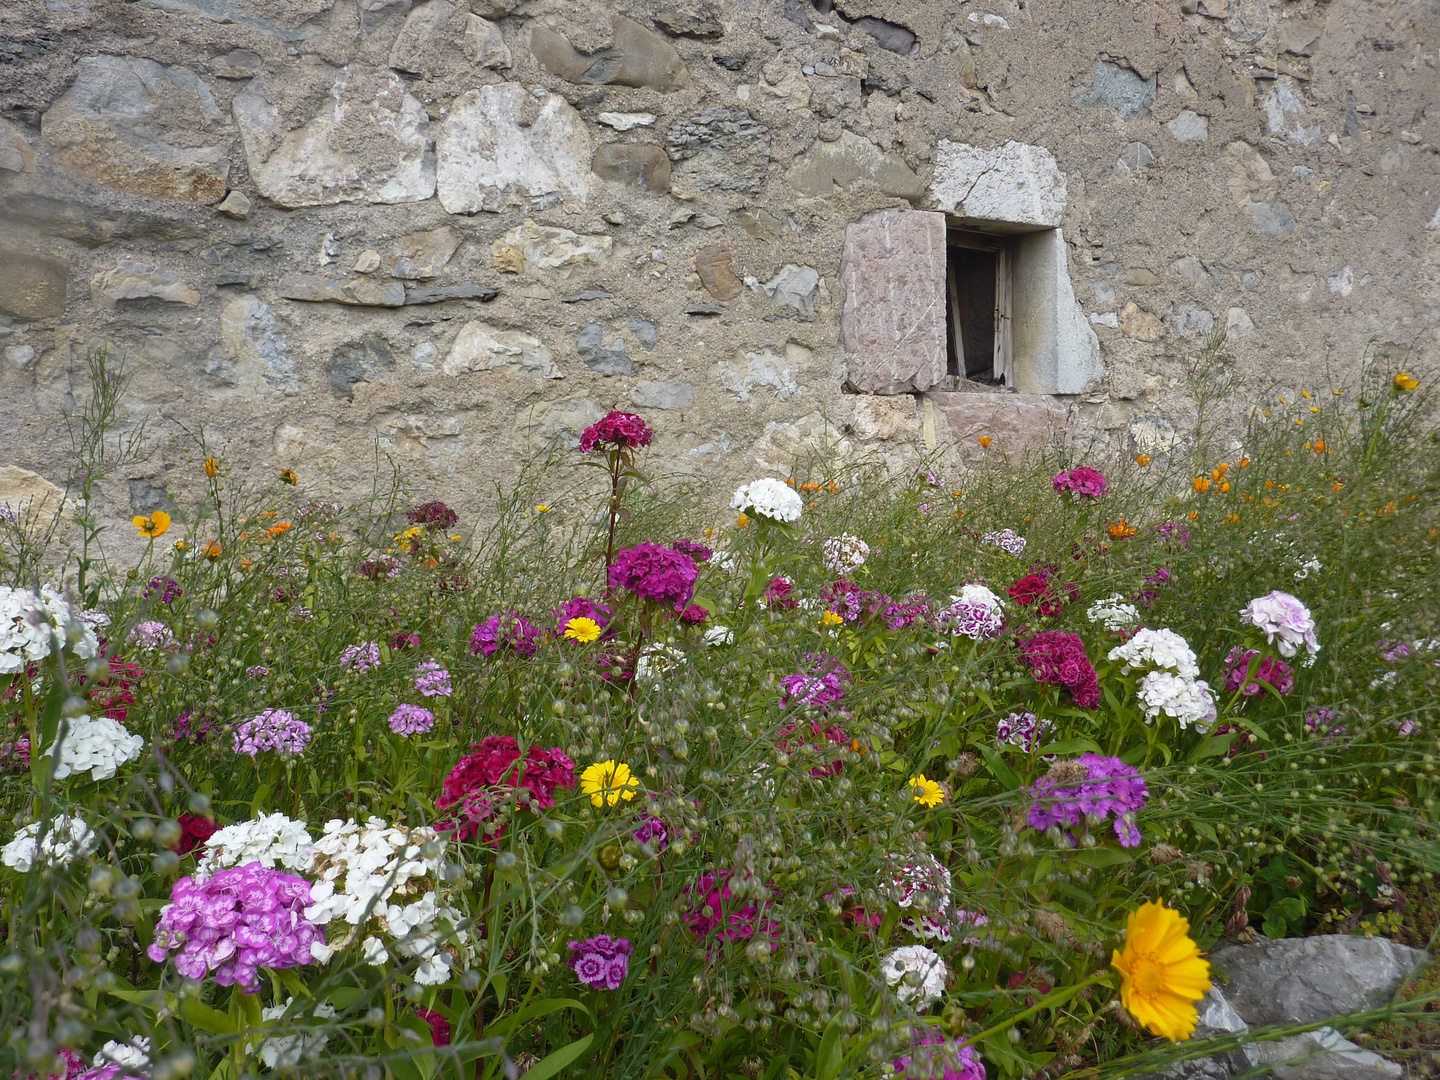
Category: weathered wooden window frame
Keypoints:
(1002, 353)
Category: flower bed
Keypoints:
(848, 786)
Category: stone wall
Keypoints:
(464, 229)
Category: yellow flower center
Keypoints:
(1147, 975)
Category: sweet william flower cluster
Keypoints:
(768, 498)
(1285, 621)
(273, 729)
(66, 839)
(32, 623)
(94, 745)
(234, 923)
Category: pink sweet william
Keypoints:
(659, 574)
(719, 915)
(617, 431)
(1057, 657)
(1084, 483)
(234, 923)
(496, 763)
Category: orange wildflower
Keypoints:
(1142, 460)
(983, 440)
(1202, 483)
(1121, 529)
(211, 467)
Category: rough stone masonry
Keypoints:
(462, 230)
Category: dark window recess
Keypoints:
(977, 293)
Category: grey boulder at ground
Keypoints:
(1305, 980)
(1325, 1055)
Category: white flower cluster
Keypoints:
(272, 840)
(915, 972)
(1158, 649)
(30, 624)
(387, 876)
(1114, 612)
(97, 745)
(132, 1057)
(769, 498)
(718, 635)
(67, 839)
(655, 662)
(1172, 685)
(287, 1051)
(1285, 621)
(845, 553)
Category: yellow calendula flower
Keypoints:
(582, 630)
(830, 618)
(211, 467)
(1405, 381)
(928, 793)
(181, 546)
(1162, 974)
(607, 782)
(152, 525)
(542, 508)
(1142, 460)
(741, 521)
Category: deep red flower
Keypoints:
(496, 762)
(1028, 589)
(195, 829)
(618, 430)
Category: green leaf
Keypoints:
(1204, 829)
(831, 1052)
(1072, 746)
(1007, 776)
(553, 1063)
(197, 1014)
(509, 1023)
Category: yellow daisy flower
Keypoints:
(584, 631)
(831, 618)
(1162, 974)
(1405, 381)
(928, 793)
(607, 782)
(153, 525)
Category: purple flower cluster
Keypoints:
(1147, 597)
(819, 684)
(580, 607)
(235, 922)
(652, 831)
(617, 431)
(1270, 672)
(934, 1057)
(1006, 540)
(720, 915)
(1057, 657)
(411, 720)
(1022, 729)
(1322, 724)
(510, 630)
(193, 726)
(168, 588)
(361, 658)
(432, 680)
(259, 671)
(856, 605)
(655, 573)
(696, 550)
(1104, 787)
(273, 729)
(1084, 483)
(153, 634)
(600, 962)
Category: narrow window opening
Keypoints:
(977, 290)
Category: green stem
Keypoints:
(1049, 1001)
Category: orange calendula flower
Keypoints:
(1405, 381)
(211, 467)
(1121, 529)
(212, 552)
(1319, 446)
(278, 529)
(1194, 516)
(959, 514)
(1162, 973)
(1233, 519)
(741, 521)
(1244, 463)
(152, 525)
(1143, 460)
(287, 476)
(1202, 483)
(1225, 487)
(1222, 468)
(983, 440)
(1337, 485)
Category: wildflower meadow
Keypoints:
(958, 773)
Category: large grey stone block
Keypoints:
(1303, 980)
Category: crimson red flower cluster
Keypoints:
(433, 515)
(617, 431)
(195, 829)
(496, 762)
(1036, 589)
(1057, 657)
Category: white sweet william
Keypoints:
(66, 839)
(97, 745)
(1189, 701)
(272, 840)
(1158, 649)
(31, 623)
(384, 878)
(845, 553)
(1285, 621)
(915, 972)
(287, 1051)
(1114, 612)
(132, 1057)
(719, 635)
(769, 498)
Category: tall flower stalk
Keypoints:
(618, 435)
